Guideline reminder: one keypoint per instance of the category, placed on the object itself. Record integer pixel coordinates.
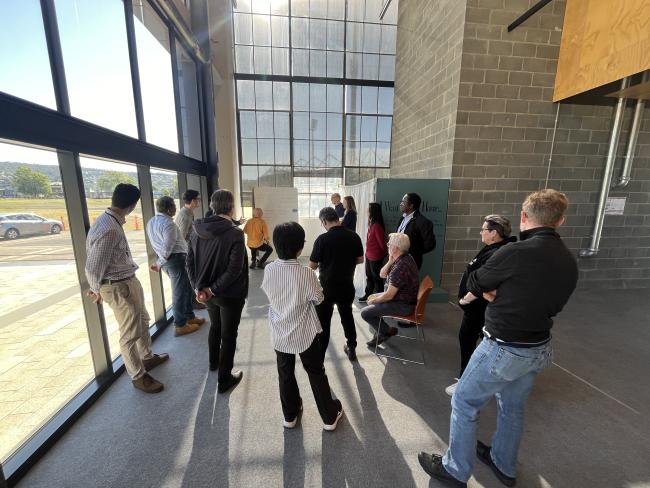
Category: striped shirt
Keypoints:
(107, 251)
(293, 291)
(165, 237)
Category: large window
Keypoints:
(96, 59)
(330, 122)
(24, 63)
(44, 351)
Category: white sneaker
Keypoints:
(290, 424)
(451, 388)
(333, 425)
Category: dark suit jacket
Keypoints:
(420, 232)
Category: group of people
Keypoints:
(509, 293)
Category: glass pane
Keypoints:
(303, 204)
(264, 95)
(280, 61)
(189, 103)
(373, 9)
(249, 151)
(260, 6)
(301, 96)
(383, 154)
(386, 100)
(280, 7)
(334, 150)
(301, 153)
(262, 60)
(97, 69)
(300, 7)
(282, 152)
(261, 30)
(318, 8)
(266, 176)
(353, 99)
(367, 156)
(318, 126)
(265, 151)
(24, 61)
(156, 78)
(265, 125)
(386, 68)
(318, 98)
(353, 65)
(353, 128)
(100, 178)
(334, 64)
(368, 128)
(371, 66)
(281, 95)
(280, 31)
(336, 9)
(242, 6)
(243, 29)
(384, 128)
(388, 39)
(334, 127)
(319, 154)
(391, 14)
(247, 124)
(335, 98)
(246, 94)
(317, 63)
(317, 33)
(300, 62)
(354, 40)
(281, 125)
(352, 176)
(248, 178)
(301, 125)
(356, 10)
(300, 33)
(371, 35)
(244, 59)
(369, 99)
(335, 35)
(44, 352)
(352, 149)
(283, 177)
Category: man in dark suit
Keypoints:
(417, 227)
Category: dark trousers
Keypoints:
(343, 302)
(225, 314)
(312, 361)
(182, 292)
(470, 332)
(374, 282)
(265, 248)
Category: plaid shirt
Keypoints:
(107, 251)
(404, 276)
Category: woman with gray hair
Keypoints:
(401, 293)
(217, 264)
(495, 233)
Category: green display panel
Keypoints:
(435, 195)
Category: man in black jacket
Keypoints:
(217, 265)
(527, 283)
(417, 227)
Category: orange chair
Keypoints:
(417, 318)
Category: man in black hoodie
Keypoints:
(217, 265)
(527, 283)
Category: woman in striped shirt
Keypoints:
(293, 291)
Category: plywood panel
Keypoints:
(602, 41)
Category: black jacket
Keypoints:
(217, 258)
(350, 220)
(478, 306)
(420, 232)
(534, 279)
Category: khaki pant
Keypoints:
(126, 298)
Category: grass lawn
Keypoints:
(54, 208)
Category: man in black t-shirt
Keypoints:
(336, 253)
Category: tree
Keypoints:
(109, 180)
(31, 183)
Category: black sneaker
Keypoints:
(405, 325)
(253, 265)
(363, 299)
(234, 380)
(432, 464)
(350, 352)
(483, 453)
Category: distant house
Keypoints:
(7, 187)
(57, 189)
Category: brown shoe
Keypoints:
(148, 384)
(196, 305)
(186, 329)
(154, 361)
(197, 321)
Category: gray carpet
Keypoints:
(587, 422)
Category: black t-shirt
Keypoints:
(336, 251)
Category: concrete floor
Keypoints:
(587, 421)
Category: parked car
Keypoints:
(14, 225)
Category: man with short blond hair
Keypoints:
(533, 279)
(257, 235)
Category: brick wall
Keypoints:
(429, 42)
(502, 141)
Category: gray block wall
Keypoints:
(502, 141)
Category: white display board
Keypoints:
(363, 194)
(279, 205)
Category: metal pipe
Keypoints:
(527, 14)
(183, 31)
(619, 111)
(624, 179)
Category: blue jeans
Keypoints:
(182, 292)
(508, 374)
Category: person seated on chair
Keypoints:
(257, 233)
(401, 293)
